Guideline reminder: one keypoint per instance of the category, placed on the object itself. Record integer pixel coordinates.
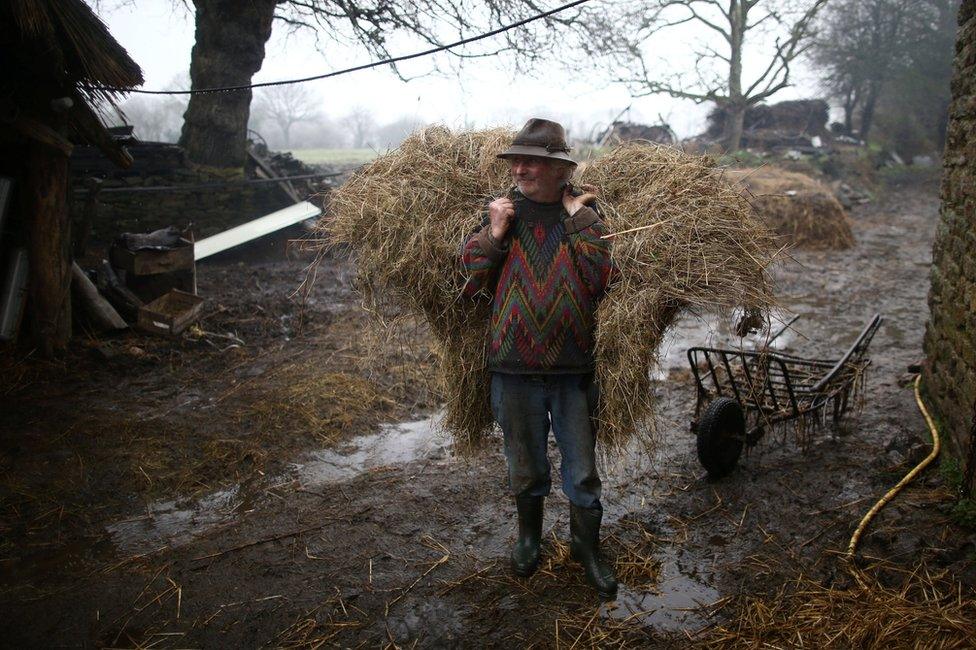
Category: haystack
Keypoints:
(797, 207)
(698, 246)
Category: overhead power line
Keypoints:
(365, 66)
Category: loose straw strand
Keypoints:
(624, 232)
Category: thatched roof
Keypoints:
(60, 48)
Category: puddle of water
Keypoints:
(394, 444)
(174, 523)
(712, 331)
(673, 608)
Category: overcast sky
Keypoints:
(159, 35)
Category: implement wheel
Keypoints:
(721, 432)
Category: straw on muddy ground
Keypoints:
(406, 214)
(319, 626)
(564, 609)
(797, 207)
(324, 404)
(925, 610)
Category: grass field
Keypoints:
(334, 156)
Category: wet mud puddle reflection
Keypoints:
(714, 331)
(394, 444)
(679, 603)
(176, 522)
(179, 521)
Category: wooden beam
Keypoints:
(49, 247)
(44, 134)
(265, 170)
(102, 314)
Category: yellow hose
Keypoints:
(936, 445)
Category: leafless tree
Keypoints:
(156, 118)
(361, 126)
(231, 37)
(864, 44)
(622, 35)
(286, 106)
(393, 133)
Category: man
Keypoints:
(540, 256)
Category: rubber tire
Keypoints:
(721, 433)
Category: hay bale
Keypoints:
(797, 207)
(708, 252)
(407, 213)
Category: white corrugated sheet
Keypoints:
(261, 226)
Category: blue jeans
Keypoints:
(524, 406)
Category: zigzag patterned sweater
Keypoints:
(545, 279)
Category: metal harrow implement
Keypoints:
(742, 394)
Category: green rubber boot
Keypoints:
(584, 528)
(525, 553)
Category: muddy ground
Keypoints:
(246, 486)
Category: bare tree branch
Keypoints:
(627, 33)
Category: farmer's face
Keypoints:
(540, 179)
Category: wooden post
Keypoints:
(49, 247)
(88, 216)
(101, 313)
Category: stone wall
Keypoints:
(950, 337)
(209, 210)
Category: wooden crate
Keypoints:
(171, 313)
(151, 262)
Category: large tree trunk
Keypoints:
(735, 117)
(867, 111)
(229, 49)
(49, 248)
(736, 109)
(850, 103)
(848, 119)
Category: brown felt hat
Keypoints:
(541, 138)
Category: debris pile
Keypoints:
(627, 131)
(798, 125)
(694, 243)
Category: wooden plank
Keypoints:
(98, 309)
(261, 226)
(268, 171)
(119, 295)
(14, 295)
